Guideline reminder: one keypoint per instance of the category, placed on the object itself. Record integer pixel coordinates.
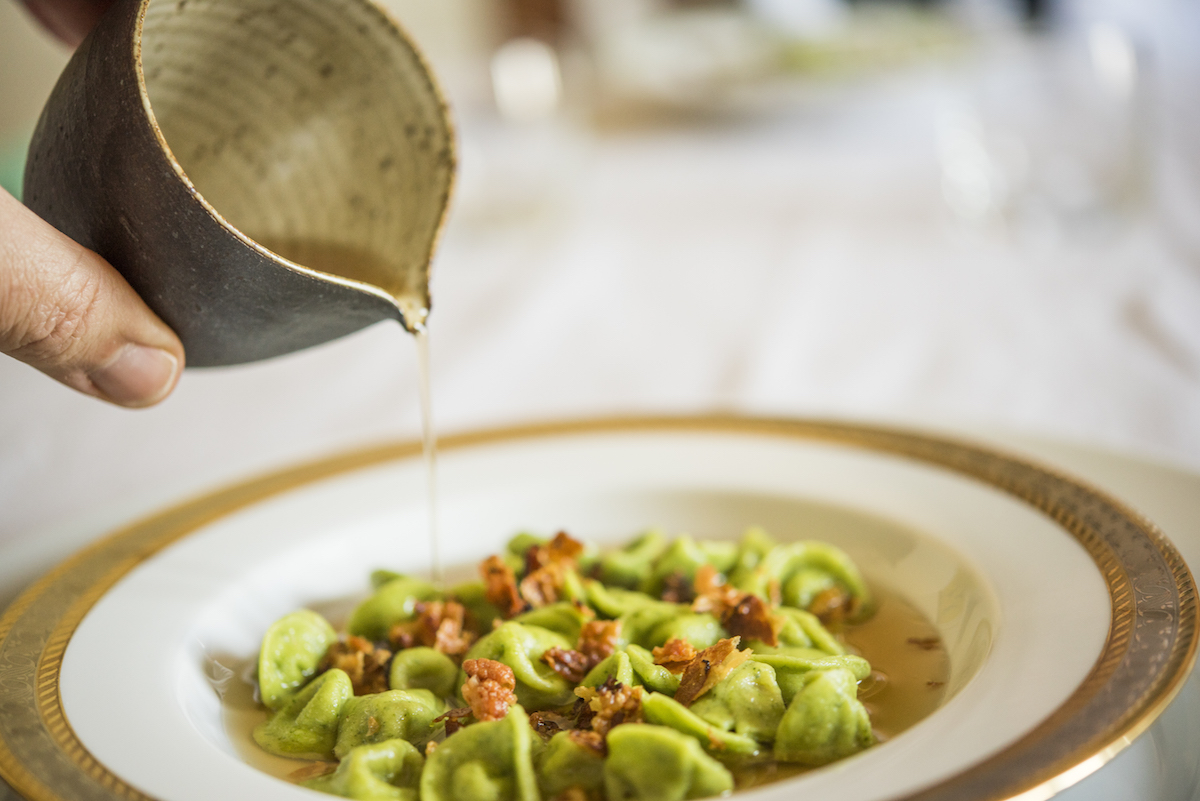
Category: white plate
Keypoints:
(1059, 692)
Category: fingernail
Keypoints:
(139, 376)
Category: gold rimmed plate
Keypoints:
(1070, 622)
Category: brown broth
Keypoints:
(347, 261)
(241, 712)
(909, 671)
(910, 668)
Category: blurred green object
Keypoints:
(12, 163)
(877, 36)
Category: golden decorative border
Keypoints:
(1151, 643)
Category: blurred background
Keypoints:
(979, 214)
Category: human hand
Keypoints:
(67, 312)
(69, 20)
(64, 309)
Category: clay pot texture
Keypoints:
(267, 174)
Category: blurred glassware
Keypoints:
(685, 59)
(713, 57)
(1167, 34)
(526, 80)
(801, 19)
(878, 36)
(458, 38)
(1050, 133)
(594, 20)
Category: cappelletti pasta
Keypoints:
(650, 673)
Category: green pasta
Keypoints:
(392, 603)
(383, 771)
(403, 714)
(616, 666)
(748, 701)
(423, 668)
(565, 764)
(563, 618)
(653, 672)
(666, 711)
(653, 625)
(824, 721)
(646, 672)
(631, 565)
(680, 559)
(291, 650)
(654, 763)
(306, 726)
(521, 648)
(492, 761)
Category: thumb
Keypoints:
(69, 20)
(67, 312)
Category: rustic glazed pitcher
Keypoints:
(267, 174)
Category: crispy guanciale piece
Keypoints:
(833, 606)
(561, 550)
(489, 688)
(598, 639)
(752, 620)
(548, 723)
(453, 720)
(712, 593)
(677, 589)
(674, 655)
(438, 625)
(613, 703)
(709, 667)
(366, 665)
(541, 587)
(589, 739)
(451, 639)
(501, 587)
(571, 665)
(545, 568)
(582, 714)
(741, 613)
(564, 547)
(707, 580)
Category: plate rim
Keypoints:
(43, 760)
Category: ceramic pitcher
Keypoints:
(267, 174)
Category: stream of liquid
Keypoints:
(429, 449)
(358, 264)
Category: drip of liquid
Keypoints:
(429, 448)
(368, 267)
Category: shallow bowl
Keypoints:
(1069, 621)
